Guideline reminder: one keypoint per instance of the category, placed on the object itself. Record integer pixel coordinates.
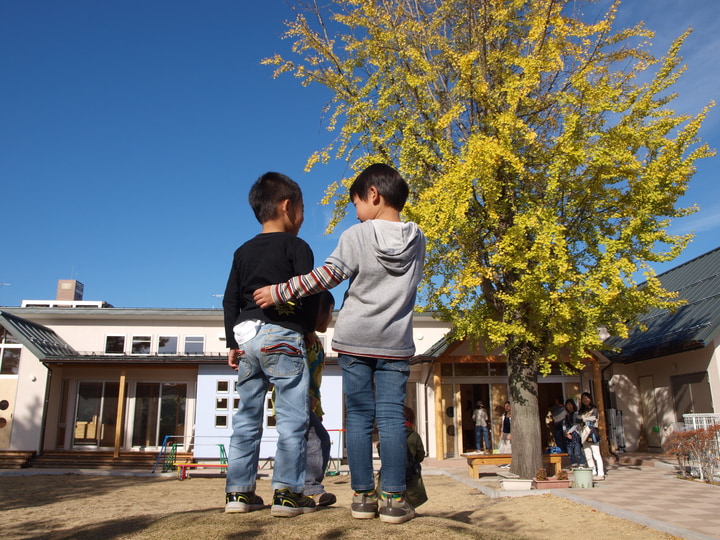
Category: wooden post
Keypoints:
(439, 426)
(120, 414)
(600, 404)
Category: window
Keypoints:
(115, 345)
(221, 421)
(10, 362)
(194, 344)
(167, 345)
(141, 344)
(222, 386)
(221, 403)
(9, 353)
(6, 337)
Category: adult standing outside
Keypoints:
(559, 412)
(505, 446)
(572, 427)
(480, 417)
(590, 437)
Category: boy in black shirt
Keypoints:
(266, 346)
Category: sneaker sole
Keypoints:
(357, 514)
(397, 519)
(290, 511)
(242, 508)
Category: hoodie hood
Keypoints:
(397, 244)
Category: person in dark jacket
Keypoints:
(415, 487)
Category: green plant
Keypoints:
(562, 475)
(541, 474)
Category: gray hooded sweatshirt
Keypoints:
(384, 262)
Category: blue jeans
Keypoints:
(275, 355)
(375, 392)
(559, 435)
(318, 456)
(481, 433)
(574, 450)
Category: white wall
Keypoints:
(32, 377)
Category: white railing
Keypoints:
(712, 460)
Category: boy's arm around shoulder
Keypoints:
(320, 279)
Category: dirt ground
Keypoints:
(105, 507)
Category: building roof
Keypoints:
(692, 325)
(51, 349)
(41, 341)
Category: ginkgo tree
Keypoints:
(544, 157)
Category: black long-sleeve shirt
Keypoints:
(266, 259)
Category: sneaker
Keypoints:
(506, 466)
(241, 503)
(324, 498)
(396, 509)
(364, 505)
(289, 504)
(596, 477)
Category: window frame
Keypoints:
(10, 347)
(196, 337)
(124, 342)
(146, 338)
(177, 344)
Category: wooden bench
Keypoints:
(554, 462)
(183, 467)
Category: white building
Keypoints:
(85, 376)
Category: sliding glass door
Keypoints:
(159, 411)
(96, 414)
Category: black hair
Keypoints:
(583, 408)
(325, 300)
(571, 402)
(269, 191)
(386, 180)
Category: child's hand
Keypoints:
(262, 297)
(233, 358)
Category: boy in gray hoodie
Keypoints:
(383, 258)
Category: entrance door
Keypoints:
(650, 423)
(159, 412)
(547, 394)
(96, 414)
(470, 395)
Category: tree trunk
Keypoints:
(525, 423)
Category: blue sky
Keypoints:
(131, 131)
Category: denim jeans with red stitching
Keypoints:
(275, 355)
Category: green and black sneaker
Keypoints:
(289, 504)
(241, 503)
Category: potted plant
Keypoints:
(512, 482)
(541, 480)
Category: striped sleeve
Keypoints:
(320, 279)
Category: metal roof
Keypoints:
(41, 341)
(692, 325)
(51, 349)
